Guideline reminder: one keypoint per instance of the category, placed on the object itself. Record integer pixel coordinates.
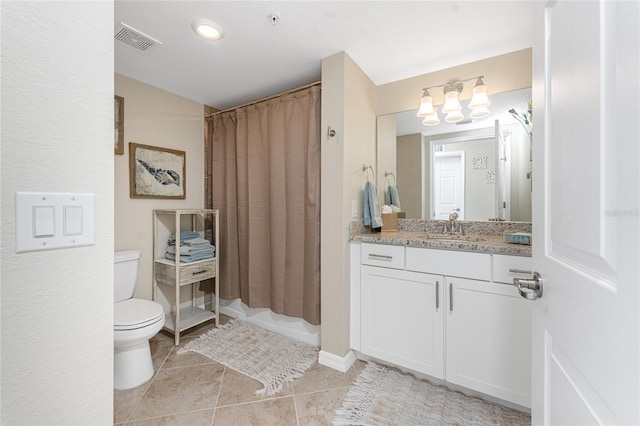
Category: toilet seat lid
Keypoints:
(136, 313)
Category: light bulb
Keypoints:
(454, 117)
(431, 119)
(480, 98)
(451, 102)
(207, 29)
(479, 112)
(426, 106)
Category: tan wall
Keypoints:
(348, 106)
(386, 153)
(409, 154)
(502, 73)
(159, 118)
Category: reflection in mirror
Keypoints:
(480, 169)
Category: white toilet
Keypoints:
(135, 322)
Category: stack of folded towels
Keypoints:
(191, 247)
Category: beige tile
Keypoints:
(193, 418)
(319, 377)
(124, 402)
(179, 390)
(160, 348)
(276, 412)
(185, 359)
(318, 408)
(198, 330)
(238, 388)
(224, 319)
(358, 366)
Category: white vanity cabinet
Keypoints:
(452, 315)
(402, 319)
(488, 339)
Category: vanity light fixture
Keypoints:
(207, 29)
(452, 108)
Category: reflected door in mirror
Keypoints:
(448, 184)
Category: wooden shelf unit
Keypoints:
(168, 272)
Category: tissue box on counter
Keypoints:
(518, 237)
(390, 221)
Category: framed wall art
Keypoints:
(119, 125)
(156, 172)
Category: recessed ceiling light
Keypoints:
(207, 29)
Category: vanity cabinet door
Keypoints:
(489, 339)
(402, 318)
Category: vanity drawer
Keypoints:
(502, 264)
(382, 255)
(451, 263)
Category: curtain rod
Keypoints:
(263, 99)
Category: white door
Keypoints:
(586, 352)
(448, 184)
(503, 173)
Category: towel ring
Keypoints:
(386, 174)
(373, 174)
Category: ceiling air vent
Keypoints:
(134, 38)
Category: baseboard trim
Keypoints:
(336, 362)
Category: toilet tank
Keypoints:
(125, 274)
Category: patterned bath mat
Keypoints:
(270, 358)
(384, 396)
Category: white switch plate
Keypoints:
(354, 209)
(53, 220)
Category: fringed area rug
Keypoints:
(383, 396)
(270, 358)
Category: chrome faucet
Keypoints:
(453, 221)
(454, 225)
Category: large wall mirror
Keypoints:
(480, 168)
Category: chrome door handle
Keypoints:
(520, 271)
(530, 289)
(380, 256)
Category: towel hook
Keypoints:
(373, 174)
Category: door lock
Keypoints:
(530, 289)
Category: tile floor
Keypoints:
(190, 389)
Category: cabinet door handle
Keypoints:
(437, 295)
(199, 272)
(380, 256)
(450, 297)
(521, 271)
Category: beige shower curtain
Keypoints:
(265, 179)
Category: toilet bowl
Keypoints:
(135, 322)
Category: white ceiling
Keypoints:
(389, 40)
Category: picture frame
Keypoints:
(156, 172)
(118, 125)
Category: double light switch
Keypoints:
(46, 221)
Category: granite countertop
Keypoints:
(487, 238)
